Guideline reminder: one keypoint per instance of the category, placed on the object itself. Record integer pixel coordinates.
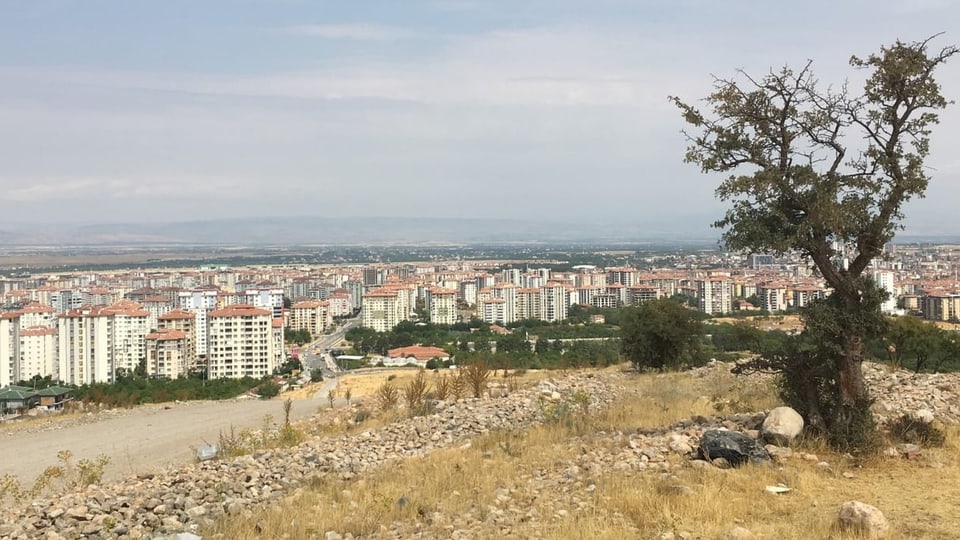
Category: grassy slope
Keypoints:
(519, 484)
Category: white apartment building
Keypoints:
(884, 280)
(271, 299)
(381, 309)
(641, 293)
(340, 303)
(493, 310)
(554, 302)
(38, 352)
(156, 306)
(312, 316)
(627, 277)
(9, 348)
(85, 346)
(715, 296)
(183, 321)
(130, 328)
(241, 342)
(199, 303)
(468, 292)
(37, 315)
(442, 306)
(167, 353)
(507, 292)
(773, 296)
(528, 304)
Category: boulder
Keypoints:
(781, 425)
(735, 447)
(866, 520)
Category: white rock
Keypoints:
(868, 520)
(782, 423)
(737, 533)
(924, 415)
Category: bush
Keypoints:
(268, 390)
(475, 376)
(415, 391)
(388, 396)
(914, 430)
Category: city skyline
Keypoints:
(152, 112)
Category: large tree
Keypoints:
(824, 172)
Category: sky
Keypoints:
(116, 111)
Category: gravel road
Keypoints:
(146, 439)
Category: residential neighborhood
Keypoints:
(229, 322)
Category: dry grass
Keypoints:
(522, 477)
(366, 384)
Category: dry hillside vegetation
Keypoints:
(563, 479)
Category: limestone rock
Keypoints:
(782, 425)
(868, 520)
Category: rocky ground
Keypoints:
(182, 499)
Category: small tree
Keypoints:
(825, 173)
(661, 334)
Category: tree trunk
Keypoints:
(853, 390)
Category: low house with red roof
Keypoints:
(415, 354)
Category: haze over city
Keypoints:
(133, 112)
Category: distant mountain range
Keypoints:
(358, 230)
(308, 230)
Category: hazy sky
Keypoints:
(156, 110)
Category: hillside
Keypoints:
(604, 454)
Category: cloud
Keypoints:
(351, 31)
(108, 188)
(535, 66)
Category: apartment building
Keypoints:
(627, 277)
(941, 306)
(167, 353)
(9, 348)
(271, 299)
(310, 315)
(528, 304)
(493, 310)
(773, 296)
(340, 303)
(85, 346)
(885, 281)
(382, 309)
(200, 303)
(156, 306)
(36, 314)
(38, 353)
(130, 323)
(714, 296)
(508, 293)
(442, 305)
(554, 302)
(182, 321)
(241, 342)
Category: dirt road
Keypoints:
(144, 440)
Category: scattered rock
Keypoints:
(867, 520)
(782, 425)
(737, 533)
(735, 447)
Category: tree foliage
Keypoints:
(824, 172)
(661, 334)
(921, 345)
